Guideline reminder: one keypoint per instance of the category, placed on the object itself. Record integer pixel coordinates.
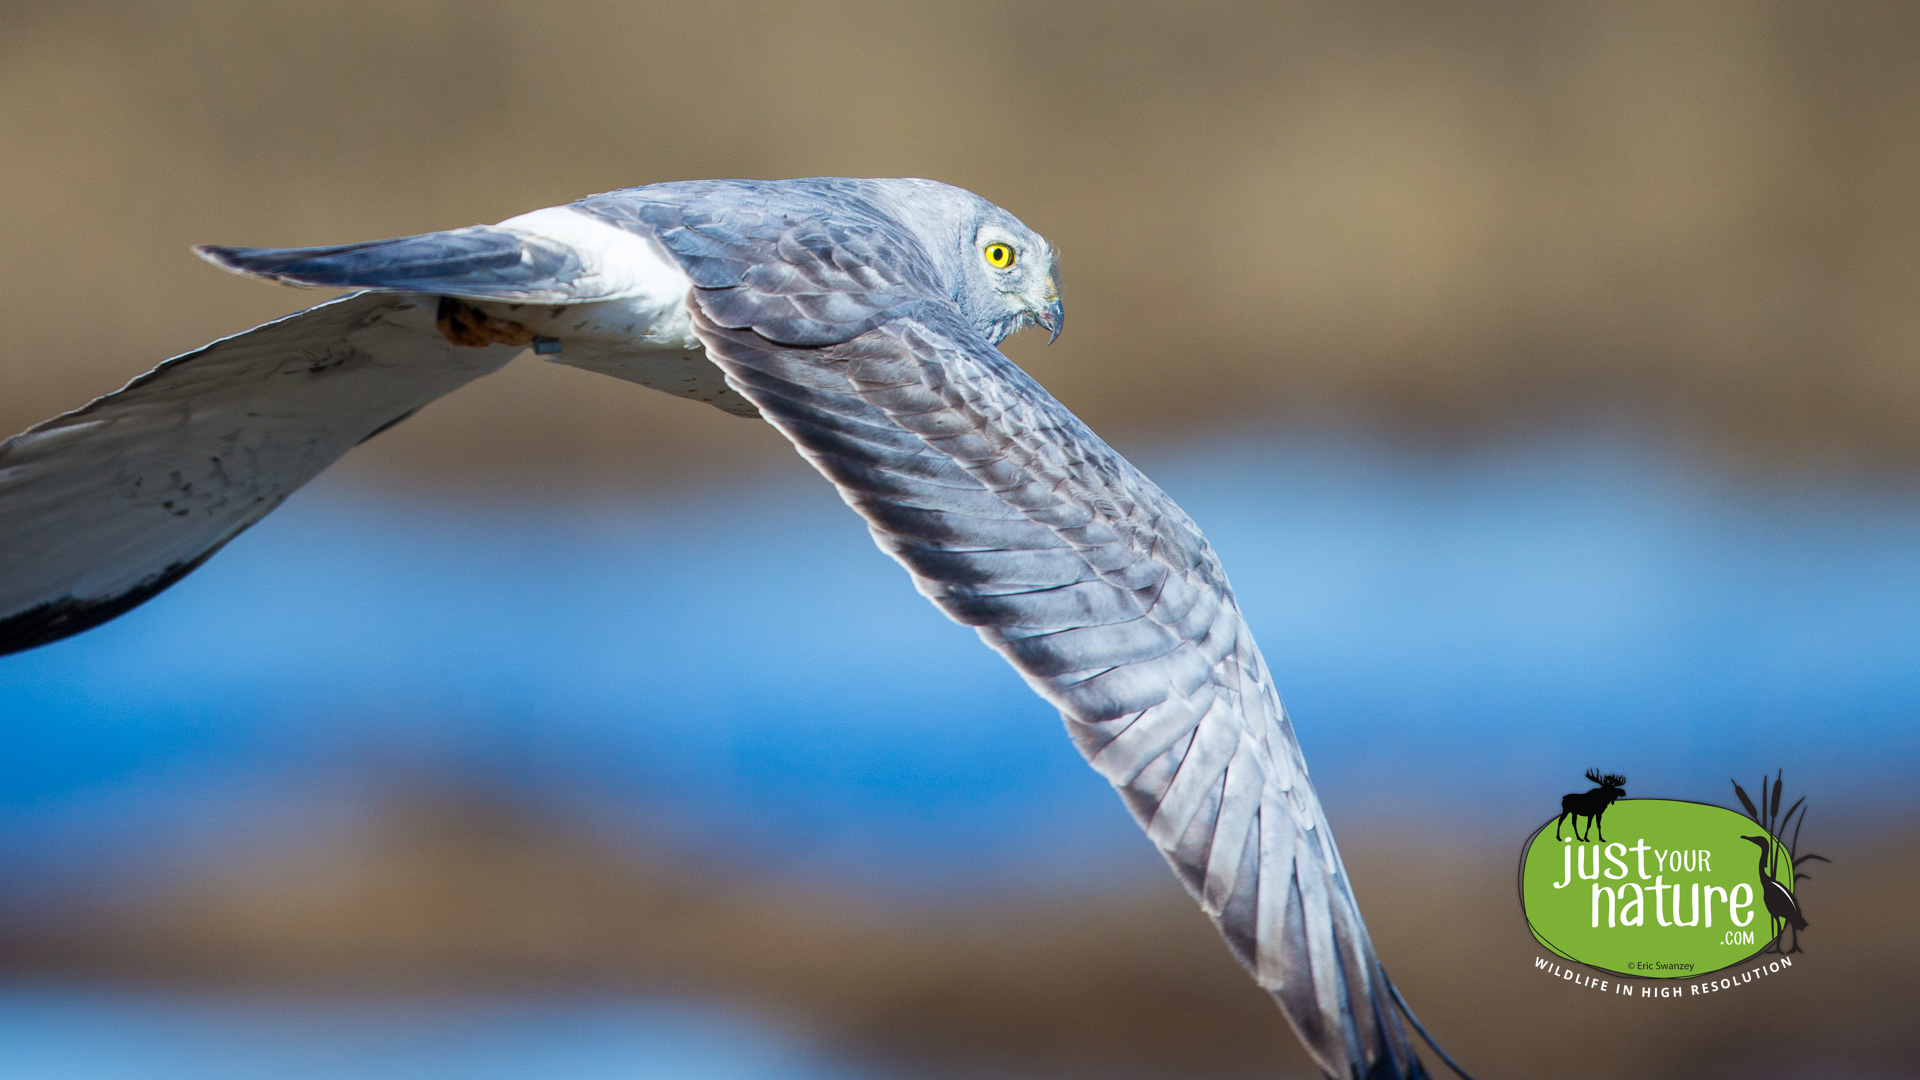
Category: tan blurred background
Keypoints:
(456, 894)
(1430, 218)
(1436, 221)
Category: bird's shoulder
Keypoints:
(804, 262)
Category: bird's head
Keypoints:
(1763, 841)
(1015, 277)
(1004, 276)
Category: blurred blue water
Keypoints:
(91, 1032)
(1457, 635)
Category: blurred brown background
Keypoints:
(1428, 217)
(453, 894)
(1433, 220)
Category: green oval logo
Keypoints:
(1676, 889)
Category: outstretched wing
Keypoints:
(1017, 520)
(108, 505)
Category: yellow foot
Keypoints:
(464, 324)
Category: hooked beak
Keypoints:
(1052, 316)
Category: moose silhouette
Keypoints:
(1590, 804)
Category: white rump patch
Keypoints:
(619, 265)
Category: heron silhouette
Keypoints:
(1778, 898)
(1781, 906)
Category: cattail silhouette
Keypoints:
(1782, 905)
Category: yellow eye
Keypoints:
(999, 256)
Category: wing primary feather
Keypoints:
(106, 507)
(51, 620)
(388, 426)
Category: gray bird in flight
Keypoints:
(861, 319)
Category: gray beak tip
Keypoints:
(1052, 319)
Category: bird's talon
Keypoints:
(464, 324)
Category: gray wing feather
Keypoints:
(106, 506)
(481, 262)
(807, 262)
(1017, 520)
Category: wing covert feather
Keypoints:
(1017, 520)
(807, 263)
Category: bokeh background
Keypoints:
(1547, 374)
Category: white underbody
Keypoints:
(631, 319)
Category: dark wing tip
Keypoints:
(222, 257)
(274, 264)
(246, 262)
(46, 623)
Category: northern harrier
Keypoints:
(861, 318)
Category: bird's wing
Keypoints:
(1017, 520)
(108, 505)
